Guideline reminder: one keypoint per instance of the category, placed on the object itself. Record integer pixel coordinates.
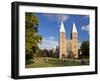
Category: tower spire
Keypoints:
(62, 29)
(74, 41)
(62, 42)
(74, 30)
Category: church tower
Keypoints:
(62, 42)
(74, 41)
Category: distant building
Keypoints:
(68, 48)
(54, 49)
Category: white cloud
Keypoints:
(63, 17)
(48, 43)
(57, 17)
(85, 28)
(79, 45)
(51, 38)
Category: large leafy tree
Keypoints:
(32, 38)
(85, 48)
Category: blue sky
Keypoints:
(49, 25)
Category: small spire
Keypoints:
(74, 30)
(62, 27)
(54, 47)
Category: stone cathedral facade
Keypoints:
(68, 48)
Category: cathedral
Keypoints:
(68, 48)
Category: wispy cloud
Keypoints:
(63, 17)
(51, 38)
(48, 43)
(57, 17)
(85, 28)
(79, 45)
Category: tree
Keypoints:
(31, 36)
(42, 53)
(85, 48)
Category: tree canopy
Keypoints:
(85, 48)
(32, 38)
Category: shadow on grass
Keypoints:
(29, 62)
(64, 62)
(54, 62)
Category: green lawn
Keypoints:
(54, 62)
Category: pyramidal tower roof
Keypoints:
(74, 30)
(62, 29)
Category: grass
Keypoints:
(54, 62)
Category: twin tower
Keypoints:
(68, 48)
